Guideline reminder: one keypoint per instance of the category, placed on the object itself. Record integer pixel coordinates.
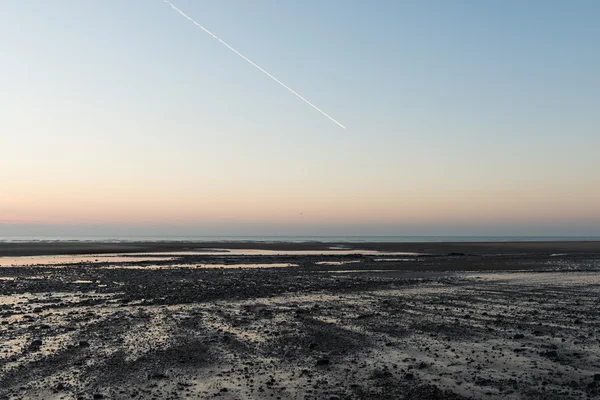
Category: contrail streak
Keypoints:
(253, 64)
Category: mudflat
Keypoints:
(91, 247)
(336, 321)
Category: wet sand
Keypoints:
(66, 248)
(460, 320)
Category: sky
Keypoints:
(462, 118)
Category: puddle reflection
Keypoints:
(259, 252)
(204, 266)
(336, 262)
(75, 259)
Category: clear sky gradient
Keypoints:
(463, 117)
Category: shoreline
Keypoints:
(15, 249)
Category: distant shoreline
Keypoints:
(38, 248)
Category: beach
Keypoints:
(256, 320)
(17, 248)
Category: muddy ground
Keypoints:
(501, 324)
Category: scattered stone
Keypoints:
(157, 375)
(550, 354)
(322, 362)
(35, 345)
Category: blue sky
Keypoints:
(461, 116)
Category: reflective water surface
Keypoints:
(163, 256)
(204, 266)
(260, 252)
(75, 259)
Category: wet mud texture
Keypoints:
(437, 327)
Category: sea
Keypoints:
(297, 239)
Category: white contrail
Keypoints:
(245, 58)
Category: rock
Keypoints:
(550, 354)
(322, 362)
(157, 375)
(35, 344)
